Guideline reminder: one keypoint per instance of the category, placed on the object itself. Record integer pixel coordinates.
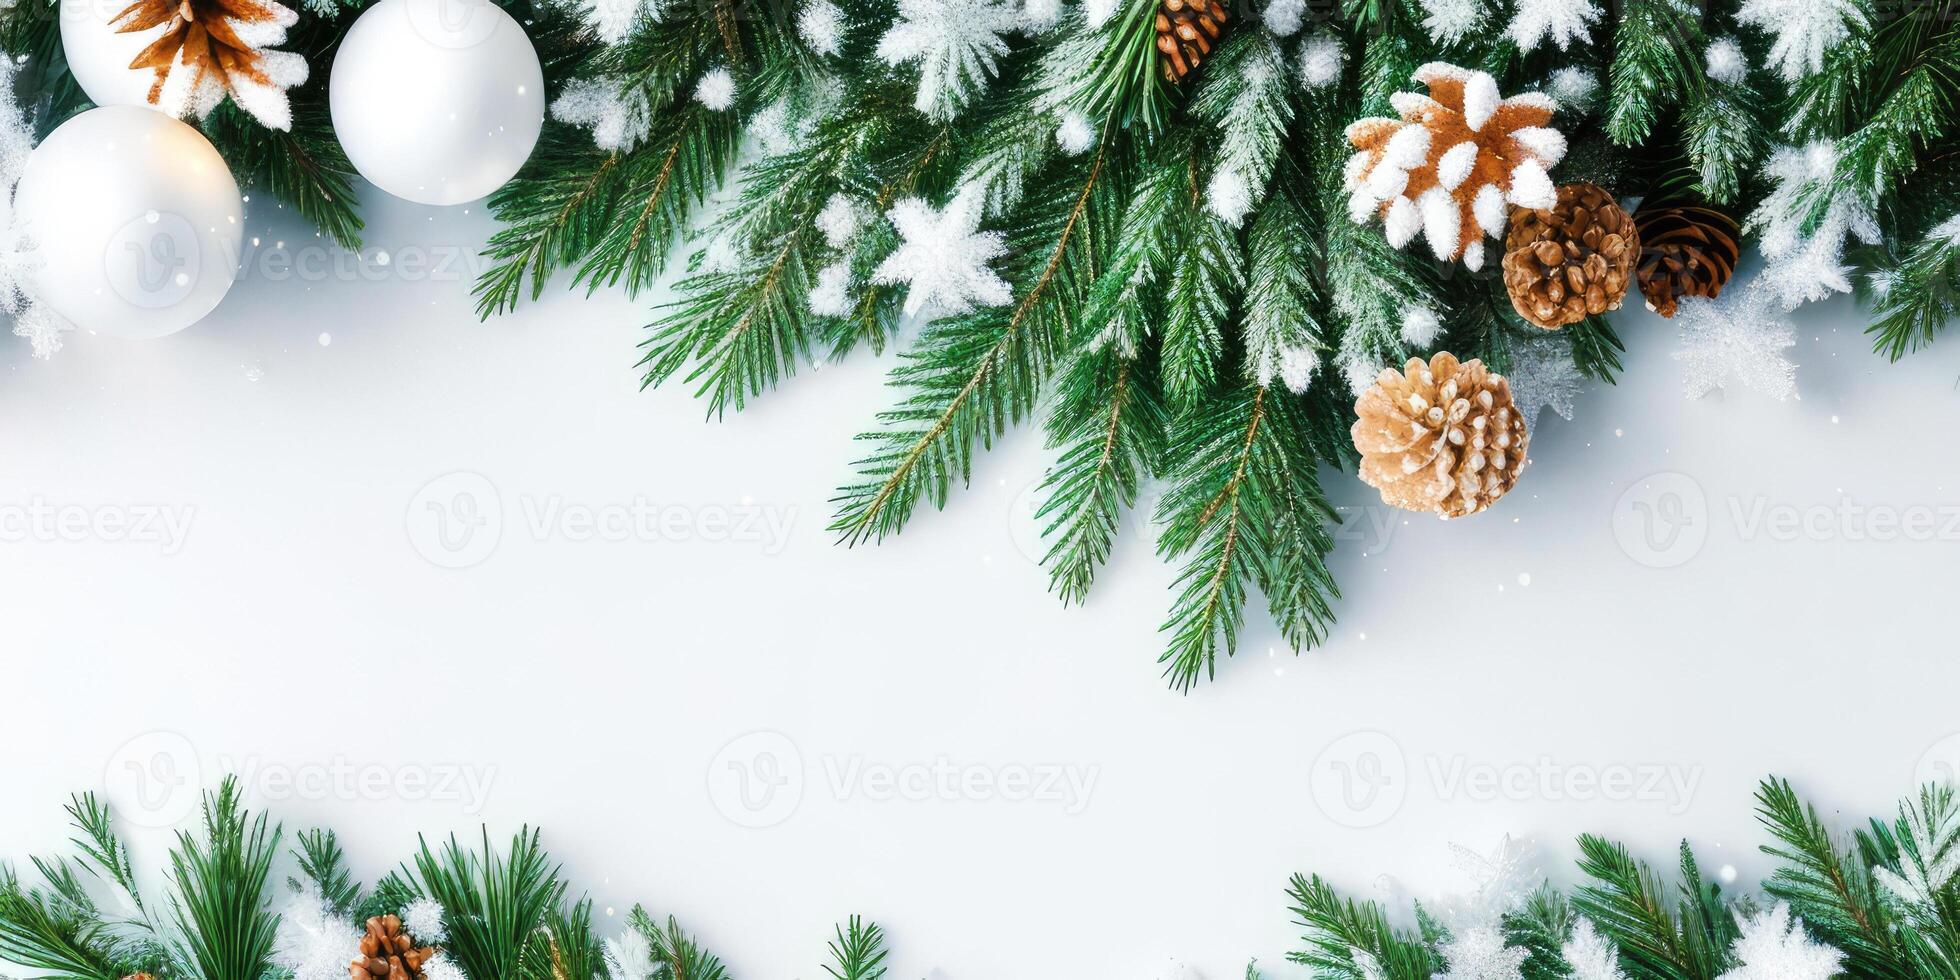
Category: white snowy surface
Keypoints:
(604, 688)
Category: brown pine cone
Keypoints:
(1440, 438)
(1572, 261)
(388, 953)
(1186, 32)
(1684, 251)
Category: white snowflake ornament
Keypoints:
(424, 920)
(1742, 335)
(1450, 21)
(1284, 17)
(831, 295)
(1804, 30)
(944, 258)
(1480, 954)
(619, 114)
(1774, 946)
(630, 957)
(1726, 62)
(821, 25)
(716, 90)
(957, 45)
(312, 942)
(1590, 955)
(614, 20)
(1076, 135)
(1574, 88)
(1806, 260)
(1542, 375)
(1321, 61)
(1559, 21)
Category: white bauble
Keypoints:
(99, 57)
(137, 220)
(437, 101)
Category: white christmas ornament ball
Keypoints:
(99, 57)
(437, 101)
(138, 222)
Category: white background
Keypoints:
(296, 631)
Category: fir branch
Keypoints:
(49, 936)
(323, 863)
(1246, 96)
(491, 903)
(550, 211)
(220, 882)
(1125, 86)
(680, 953)
(1829, 888)
(857, 953)
(660, 183)
(1283, 305)
(1243, 507)
(565, 947)
(1207, 274)
(1629, 907)
(1108, 423)
(972, 375)
(108, 856)
(1920, 294)
(305, 166)
(1655, 61)
(1338, 931)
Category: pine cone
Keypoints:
(222, 44)
(388, 953)
(1684, 251)
(1441, 437)
(1571, 261)
(1454, 162)
(1186, 31)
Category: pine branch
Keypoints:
(1124, 87)
(1108, 423)
(1283, 304)
(682, 956)
(323, 863)
(1829, 888)
(108, 856)
(1655, 61)
(973, 375)
(221, 889)
(859, 953)
(1243, 508)
(1921, 294)
(305, 167)
(1629, 908)
(491, 903)
(47, 936)
(1339, 932)
(565, 947)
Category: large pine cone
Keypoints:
(1186, 32)
(388, 953)
(1572, 261)
(1440, 438)
(1684, 251)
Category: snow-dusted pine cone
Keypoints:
(388, 953)
(1573, 260)
(1440, 438)
(1187, 30)
(1455, 162)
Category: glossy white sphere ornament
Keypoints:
(99, 57)
(138, 222)
(437, 101)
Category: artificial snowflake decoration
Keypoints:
(1284, 17)
(1804, 29)
(1076, 134)
(1804, 266)
(438, 967)
(423, 920)
(1742, 334)
(944, 257)
(1420, 326)
(313, 943)
(821, 25)
(1560, 21)
(1574, 88)
(1479, 953)
(1928, 861)
(1321, 61)
(1774, 946)
(614, 20)
(957, 44)
(1229, 197)
(1499, 882)
(19, 256)
(716, 90)
(1296, 368)
(1590, 955)
(1726, 62)
(1450, 21)
(630, 957)
(1543, 376)
(831, 295)
(840, 220)
(618, 114)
